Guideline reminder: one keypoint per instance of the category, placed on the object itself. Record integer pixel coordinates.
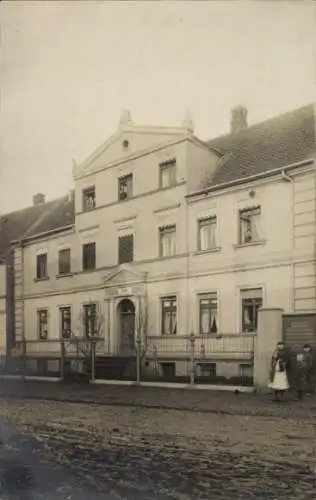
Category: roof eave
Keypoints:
(249, 178)
(45, 233)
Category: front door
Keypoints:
(126, 313)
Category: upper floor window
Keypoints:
(168, 241)
(250, 225)
(64, 266)
(168, 173)
(169, 316)
(126, 248)
(42, 324)
(88, 199)
(41, 266)
(65, 322)
(125, 187)
(207, 233)
(208, 313)
(90, 319)
(251, 301)
(88, 256)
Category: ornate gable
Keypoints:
(124, 276)
(128, 142)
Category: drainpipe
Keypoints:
(285, 177)
(187, 266)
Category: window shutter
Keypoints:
(126, 248)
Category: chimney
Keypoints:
(38, 199)
(238, 119)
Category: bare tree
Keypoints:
(87, 328)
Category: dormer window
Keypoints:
(88, 199)
(125, 187)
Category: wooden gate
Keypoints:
(299, 329)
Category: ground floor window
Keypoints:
(246, 374)
(208, 370)
(251, 301)
(65, 322)
(169, 316)
(90, 320)
(168, 371)
(208, 314)
(42, 323)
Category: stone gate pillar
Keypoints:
(270, 331)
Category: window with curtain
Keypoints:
(207, 233)
(65, 322)
(251, 301)
(88, 199)
(90, 320)
(168, 173)
(42, 324)
(41, 266)
(125, 187)
(167, 241)
(250, 225)
(208, 314)
(169, 316)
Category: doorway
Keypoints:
(126, 327)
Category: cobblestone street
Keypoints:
(142, 453)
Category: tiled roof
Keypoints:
(272, 144)
(34, 220)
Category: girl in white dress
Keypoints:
(279, 381)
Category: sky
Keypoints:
(68, 68)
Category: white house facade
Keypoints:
(164, 248)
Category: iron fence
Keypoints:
(224, 359)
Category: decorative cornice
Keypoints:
(165, 209)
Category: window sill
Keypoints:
(166, 257)
(121, 200)
(85, 210)
(44, 278)
(163, 188)
(210, 335)
(209, 250)
(250, 244)
(64, 275)
(89, 270)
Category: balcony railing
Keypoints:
(42, 347)
(228, 345)
(237, 346)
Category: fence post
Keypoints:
(62, 360)
(138, 345)
(24, 362)
(192, 371)
(155, 363)
(93, 349)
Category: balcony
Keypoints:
(226, 346)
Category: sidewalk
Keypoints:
(148, 397)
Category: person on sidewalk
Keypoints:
(304, 369)
(280, 365)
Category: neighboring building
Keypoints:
(182, 236)
(17, 225)
(2, 310)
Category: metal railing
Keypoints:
(228, 345)
(187, 359)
